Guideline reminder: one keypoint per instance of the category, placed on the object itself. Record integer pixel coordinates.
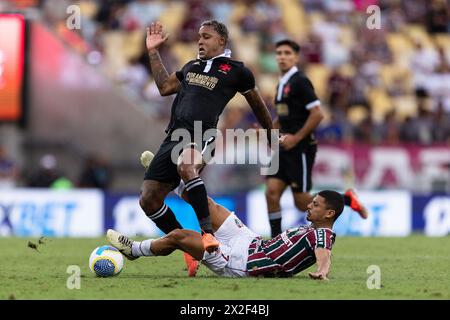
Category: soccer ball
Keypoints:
(106, 261)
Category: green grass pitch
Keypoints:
(415, 267)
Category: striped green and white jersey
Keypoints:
(288, 253)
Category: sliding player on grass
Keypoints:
(243, 253)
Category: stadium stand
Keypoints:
(397, 72)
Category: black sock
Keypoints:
(165, 219)
(275, 223)
(199, 201)
(347, 200)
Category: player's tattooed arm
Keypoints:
(260, 110)
(167, 84)
(323, 258)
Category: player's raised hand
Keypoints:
(318, 276)
(155, 36)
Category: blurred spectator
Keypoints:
(95, 173)
(365, 76)
(418, 129)
(252, 21)
(395, 18)
(221, 10)
(8, 170)
(443, 65)
(398, 86)
(422, 63)
(337, 130)
(267, 58)
(311, 49)
(269, 10)
(339, 88)
(198, 13)
(415, 10)
(407, 130)
(109, 14)
(375, 46)
(390, 129)
(334, 51)
(441, 128)
(272, 32)
(368, 131)
(437, 84)
(141, 13)
(313, 5)
(158, 106)
(438, 16)
(327, 29)
(339, 5)
(135, 76)
(46, 174)
(54, 11)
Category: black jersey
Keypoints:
(293, 101)
(206, 88)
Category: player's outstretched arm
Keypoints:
(167, 84)
(260, 110)
(323, 258)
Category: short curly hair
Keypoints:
(219, 27)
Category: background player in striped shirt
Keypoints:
(243, 253)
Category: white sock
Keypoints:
(139, 249)
(275, 215)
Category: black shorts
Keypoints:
(163, 169)
(295, 168)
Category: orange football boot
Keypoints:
(355, 204)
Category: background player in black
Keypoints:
(299, 114)
(203, 86)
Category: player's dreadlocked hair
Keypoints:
(219, 27)
(333, 201)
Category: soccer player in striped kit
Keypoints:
(243, 253)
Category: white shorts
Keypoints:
(230, 260)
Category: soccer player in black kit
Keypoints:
(203, 86)
(298, 115)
